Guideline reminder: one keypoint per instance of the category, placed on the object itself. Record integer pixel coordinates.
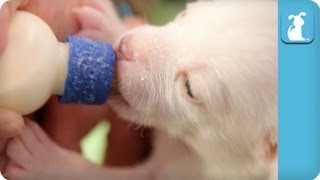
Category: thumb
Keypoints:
(11, 123)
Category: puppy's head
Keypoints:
(209, 76)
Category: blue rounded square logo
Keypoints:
(297, 27)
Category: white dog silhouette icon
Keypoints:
(295, 30)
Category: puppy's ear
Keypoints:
(271, 154)
(302, 14)
(271, 146)
(290, 17)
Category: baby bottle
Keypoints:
(35, 66)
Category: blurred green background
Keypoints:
(164, 11)
(94, 144)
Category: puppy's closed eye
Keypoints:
(185, 86)
(188, 88)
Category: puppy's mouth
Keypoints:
(122, 54)
(117, 97)
(115, 92)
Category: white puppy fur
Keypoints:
(206, 83)
(227, 51)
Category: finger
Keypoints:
(37, 131)
(102, 6)
(2, 145)
(3, 160)
(89, 18)
(13, 171)
(29, 140)
(11, 123)
(93, 34)
(18, 153)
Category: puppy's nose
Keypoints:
(125, 48)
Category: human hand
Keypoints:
(11, 124)
(66, 18)
(49, 11)
(58, 14)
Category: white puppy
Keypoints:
(207, 84)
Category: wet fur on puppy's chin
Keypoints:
(227, 118)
